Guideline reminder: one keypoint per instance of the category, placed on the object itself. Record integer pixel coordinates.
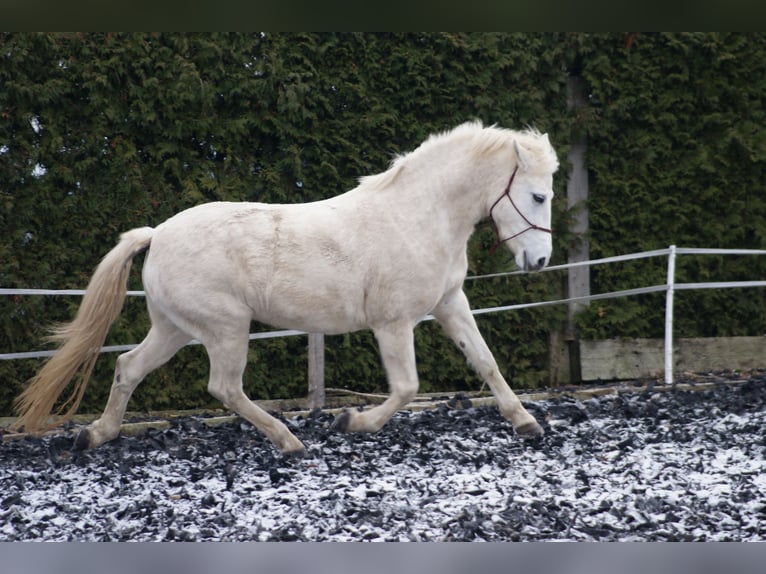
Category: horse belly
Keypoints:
(313, 306)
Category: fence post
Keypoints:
(578, 279)
(316, 371)
(669, 315)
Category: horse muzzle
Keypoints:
(534, 264)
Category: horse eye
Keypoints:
(538, 198)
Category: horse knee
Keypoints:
(406, 391)
(409, 393)
(217, 393)
(223, 393)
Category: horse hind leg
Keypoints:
(397, 351)
(228, 358)
(161, 343)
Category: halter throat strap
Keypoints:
(507, 193)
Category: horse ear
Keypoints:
(521, 155)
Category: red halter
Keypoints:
(507, 193)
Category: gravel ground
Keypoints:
(627, 466)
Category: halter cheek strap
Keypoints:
(507, 193)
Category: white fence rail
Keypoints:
(669, 287)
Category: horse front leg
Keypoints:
(397, 351)
(454, 315)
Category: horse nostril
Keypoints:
(541, 262)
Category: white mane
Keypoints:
(483, 141)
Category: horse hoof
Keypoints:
(341, 422)
(530, 430)
(295, 454)
(83, 440)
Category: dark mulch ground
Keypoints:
(671, 465)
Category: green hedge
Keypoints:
(104, 132)
(677, 155)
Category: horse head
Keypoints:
(522, 213)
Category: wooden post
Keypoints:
(578, 279)
(316, 371)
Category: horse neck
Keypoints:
(469, 184)
(446, 189)
(460, 190)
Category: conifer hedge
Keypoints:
(100, 133)
(676, 155)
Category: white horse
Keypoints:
(381, 256)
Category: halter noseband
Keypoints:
(507, 193)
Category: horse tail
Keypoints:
(80, 341)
